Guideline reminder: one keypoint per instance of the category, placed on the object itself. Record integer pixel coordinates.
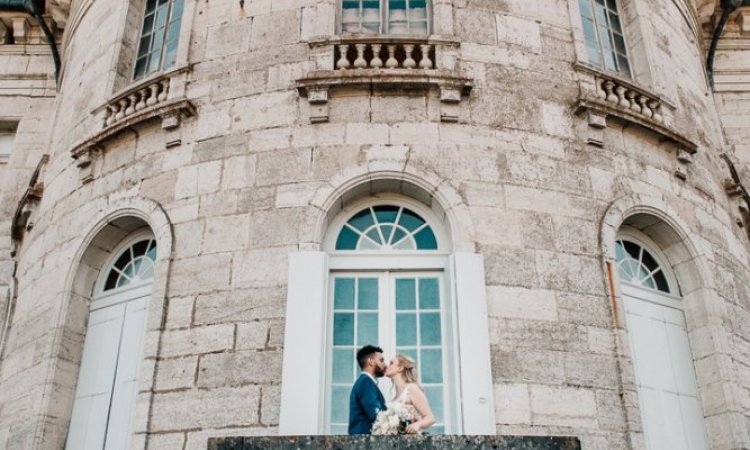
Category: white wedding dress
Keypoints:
(404, 400)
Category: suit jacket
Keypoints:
(365, 401)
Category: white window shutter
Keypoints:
(303, 374)
(474, 344)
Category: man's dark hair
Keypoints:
(365, 352)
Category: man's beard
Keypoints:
(379, 372)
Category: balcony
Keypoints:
(436, 442)
(384, 63)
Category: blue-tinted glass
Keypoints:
(150, 5)
(386, 230)
(148, 23)
(375, 236)
(585, 8)
(152, 251)
(437, 429)
(429, 293)
(340, 404)
(386, 213)
(601, 14)
(367, 329)
(176, 9)
(406, 294)
(435, 398)
(426, 239)
(406, 329)
(609, 60)
(154, 58)
(362, 220)
(368, 293)
(344, 429)
(619, 251)
(614, 22)
(397, 236)
(410, 352)
(624, 67)
(595, 58)
(589, 30)
(410, 220)
(343, 293)
(347, 240)
(432, 366)
(343, 366)
(343, 329)
(429, 329)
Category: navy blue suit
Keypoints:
(365, 401)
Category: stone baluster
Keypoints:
(107, 115)
(600, 91)
(164, 90)
(360, 62)
(121, 105)
(153, 97)
(343, 62)
(609, 87)
(376, 62)
(645, 110)
(623, 101)
(633, 103)
(131, 104)
(391, 62)
(409, 62)
(425, 62)
(655, 107)
(142, 96)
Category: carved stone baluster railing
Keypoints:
(164, 87)
(409, 62)
(391, 62)
(360, 62)
(425, 62)
(376, 62)
(343, 62)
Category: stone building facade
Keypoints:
(217, 201)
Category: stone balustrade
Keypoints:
(134, 100)
(615, 91)
(389, 55)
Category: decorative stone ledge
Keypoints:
(436, 442)
(160, 96)
(605, 96)
(384, 63)
(23, 217)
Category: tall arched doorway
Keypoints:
(670, 404)
(108, 376)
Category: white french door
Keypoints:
(107, 383)
(401, 312)
(665, 375)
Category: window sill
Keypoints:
(159, 96)
(604, 95)
(384, 63)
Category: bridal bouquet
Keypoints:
(393, 420)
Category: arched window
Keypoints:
(668, 395)
(108, 377)
(401, 311)
(394, 17)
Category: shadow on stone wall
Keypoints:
(395, 442)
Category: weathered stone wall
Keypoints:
(240, 181)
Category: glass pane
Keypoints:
(589, 31)
(111, 280)
(585, 8)
(661, 281)
(153, 63)
(386, 230)
(161, 17)
(122, 281)
(435, 398)
(429, 293)
(363, 220)
(347, 240)
(437, 429)
(411, 353)
(406, 294)
(600, 14)
(623, 65)
(173, 33)
(612, 4)
(609, 61)
(397, 236)
(633, 249)
(619, 251)
(343, 293)
(619, 43)
(177, 9)
(649, 283)
(614, 23)
(343, 366)
(432, 366)
(339, 429)
(123, 260)
(368, 293)
(152, 251)
(340, 404)
(386, 213)
(429, 328)
(367, 329)
(374, 236)
(406, 329)
(649, 261)
(140, 68)
(147, 272)
(148, 24)
(410, 220)
(406, 244)
(595, 58)
(426, 239)
(343, 329)
(139, 248)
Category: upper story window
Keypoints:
(638, 267)
(605, 41)
(7, 137)
(396, 17)
(160, 34)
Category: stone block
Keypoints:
(563, 406)
(225, 233)
(520, 303)
(180, 312)
(584, 309)
(240, 305)
(187, 238)
(205, 408)
(268, 110)
(220, 148)
(512, 405)
(200, 274)
(366, 133)
(252, 335)
(473, 25)
(220, 203)
(518, 31)
(283, 166)
(239, 368)
(509, 266)
(259, 268)
(228, 39)
(166, 441)
(270, 401)
(277, 28)
(176, 373)
(199, 340)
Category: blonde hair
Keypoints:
(410, 369)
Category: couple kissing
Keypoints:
(408, 411)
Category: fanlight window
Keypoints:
(637, 266)
(134, 266)
(405, 17)
(386, 227)
(605, 38)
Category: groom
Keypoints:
(366, 400)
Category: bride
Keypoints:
(403, 373)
